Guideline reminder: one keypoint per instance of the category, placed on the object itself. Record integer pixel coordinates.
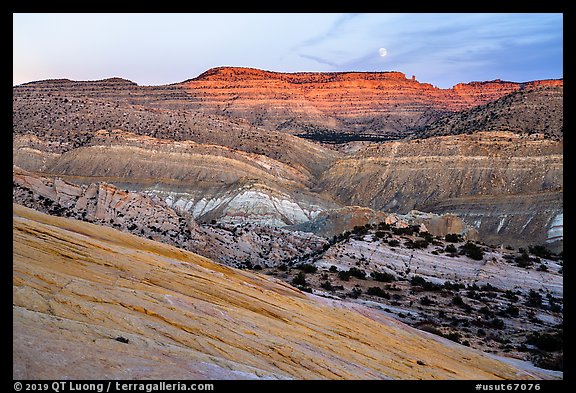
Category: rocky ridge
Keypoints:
(535, 111)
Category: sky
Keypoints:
(163, 48)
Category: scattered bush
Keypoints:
(380, 234)
(457, 301)
(523, 260)
(377, 291)
(451, 249)
(355, 293)
(383, 226)
(549, 342)
(358, 273)
(550, 362)
(453, 286)
(453, 238)
(486, 312)
(360, 230)
(300, 279)
(393, 243)
(427, 236)
(497, 323)
(307, 268)
(453, 337)
(471, 250)
(333, 269)
(409, 231)
(426, 285)
(513, 311)
(426, 301)
(510, 295)
(383, 276)
(344, 275)
(534, 299)
(540, 251)
(327, 286)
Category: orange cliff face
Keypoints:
(375, 103)
(372, 102)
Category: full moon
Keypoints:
(382, 52)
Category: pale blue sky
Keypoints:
(153, 49)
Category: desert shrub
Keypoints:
(458, 301)
(453, 238)
(453, 336)
(451, 249)
(471, 250)
(377, 291)
(512, 310)
(420, 243)
(409, 231)
(383, 226)
(344, 275)
(300, 279)
(550, 362)
(510, 295)
(540, 251)
(534, 299)
(283, 267)
(497, 323)
(380, 234)
(393, 243)
(257, 267)
(486, 312)
(327, 286)
(426, 301)
(489, 288)
(426, 285)
(523, 260)
(358, 273)
(383, 276)
(307, 268)
(333, 269)
(361, 229)
(430, 329)
(472, 294)
(355, 293)
(448, 285)
(549, 342)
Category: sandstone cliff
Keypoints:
(378, 103)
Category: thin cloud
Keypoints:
(320, 60)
